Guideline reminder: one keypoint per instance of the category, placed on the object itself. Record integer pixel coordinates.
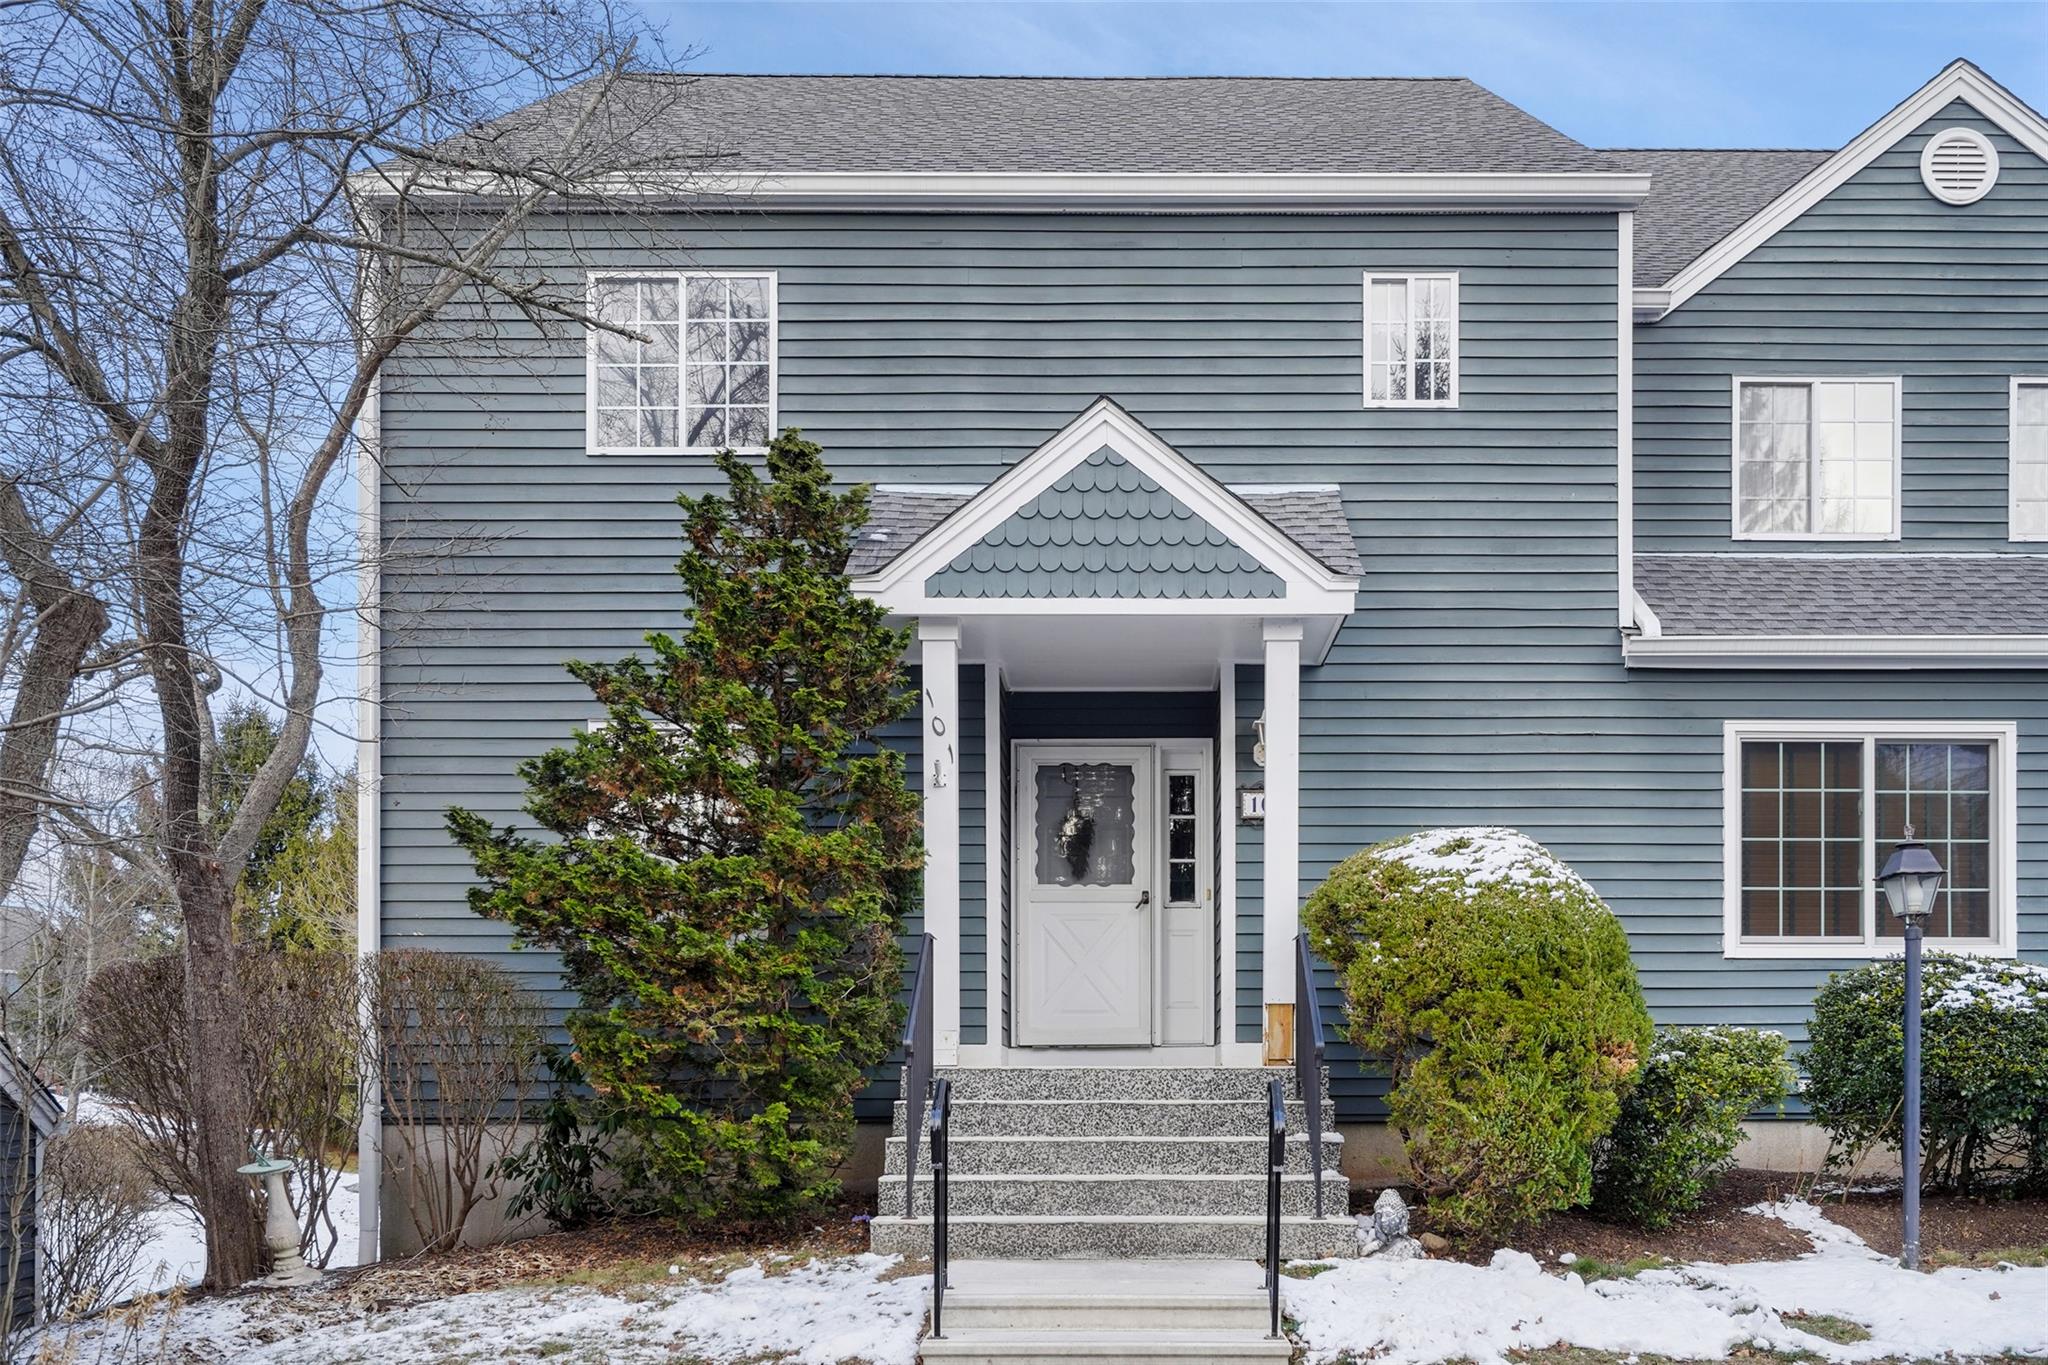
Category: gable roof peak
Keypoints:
(1960, 79)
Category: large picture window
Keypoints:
(1814, 809)
(1816, 459)
(1411, 340)
(698, 372)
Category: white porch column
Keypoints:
(940, 643)
(1282, 898)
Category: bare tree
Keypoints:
(218, 220)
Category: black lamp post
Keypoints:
(1910, 878)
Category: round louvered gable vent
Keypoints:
(1959, 166)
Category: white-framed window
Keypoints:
(1411, 340)
(1813, 807)
(698, 374)
(2027, 510)
(1816, 458)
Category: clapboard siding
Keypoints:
(1882, 279)
(1480, 679)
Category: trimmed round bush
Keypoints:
(1498, 988)
(1681, 1122)
(1983, 1065)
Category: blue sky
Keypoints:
(1607, 74)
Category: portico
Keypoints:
(1099, 601)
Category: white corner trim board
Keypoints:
(1958, 81)
(1657, 650)
(1625, 422)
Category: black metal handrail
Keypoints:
(1276, 1163)
(917, 1067)
(942, 1103)
(1308, 1057)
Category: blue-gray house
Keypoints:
(1272, 467)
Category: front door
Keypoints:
(1084, 895)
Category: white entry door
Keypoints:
(1084, 896)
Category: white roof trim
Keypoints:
(1311, 589)
(1835, 651)
(1958, 81)
(976, 189)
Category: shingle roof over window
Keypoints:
(1189, 125)
(1846, 594)
(1697, 197)
(1313, 517)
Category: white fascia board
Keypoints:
(1014, 189)
(1958, 81)
(1651, 304)
(1102, 423)
(1836, 651)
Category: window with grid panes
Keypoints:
(1411, 340)
(1816, 458)
(1818, 814)
(696, 372)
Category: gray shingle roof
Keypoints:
(1846, 594)
(1697, 197)
(1312, 517)
(1061, 124)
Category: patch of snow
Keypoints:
(1395, 1313)
(821, 1313)
(2007, 987)
(1474, 856)
(175, 1253)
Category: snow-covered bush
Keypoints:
(1498, 989)
(1984, 1065)
(1680, 1124)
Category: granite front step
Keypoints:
(1124, 1195)
(1115, 1155)
(1082, 1347)
(1071, 1236)
(1105, 1296)
(1070, 1347)
(1105, 1083)
(1120, 1118)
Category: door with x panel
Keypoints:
(1083, 880)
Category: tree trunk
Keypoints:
(235, 1252)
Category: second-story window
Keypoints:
(1411, 340)
(699, 373)
(1817, 459)
(2029, 462)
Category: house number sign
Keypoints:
(1251, 805)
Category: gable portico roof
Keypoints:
(1311, 515)
(1107, 520)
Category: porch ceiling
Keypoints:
(1119, 652)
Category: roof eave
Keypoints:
(1066, 190)
(1835, 651)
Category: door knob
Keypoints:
(1144, 899)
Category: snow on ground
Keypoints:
(1394, 1313)
(816, 1314)
(176, 1251)
(1421, 1312)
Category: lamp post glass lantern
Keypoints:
(1910, 878)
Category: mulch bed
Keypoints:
(1722, 1232)
(840, 1231)
(1948, 1223)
